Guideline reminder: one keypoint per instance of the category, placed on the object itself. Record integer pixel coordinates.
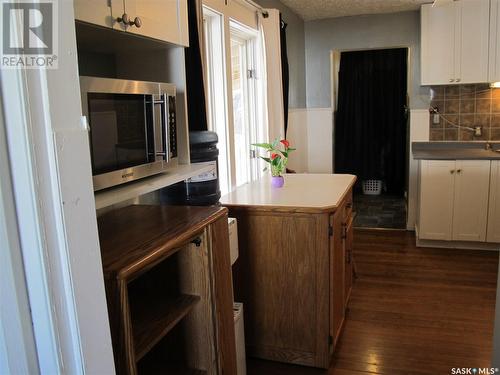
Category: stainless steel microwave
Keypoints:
(133, 131)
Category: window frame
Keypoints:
(230, 28)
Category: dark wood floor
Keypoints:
(412, 310)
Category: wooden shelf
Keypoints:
(131, 190)
(153, 318)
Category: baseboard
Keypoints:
(462, 245)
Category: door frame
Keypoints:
(334, 89)
(54, 213)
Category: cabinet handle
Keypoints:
(459, 171)
(452, 171)
(137, 22)
(197, 241)
(452, 80)
(344, 231)
(125, 19)
(458, 80)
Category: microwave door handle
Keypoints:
(149, 153)
(165, 128)
(157, 153)
(153, 152)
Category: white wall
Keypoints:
(320, 140)
(310, 130)
(297, 135)
(357, 33)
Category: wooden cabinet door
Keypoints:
(222, 296)
(437, 43)
(437, 178)
(473, 42)
(472, 183)
(98, 12)
(195, 278)
(160, 19)
(494, 73)
(337, 276)
(494, 204)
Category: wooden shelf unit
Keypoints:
(168, 287)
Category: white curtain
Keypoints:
(270, 29)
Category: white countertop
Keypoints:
(307, 191)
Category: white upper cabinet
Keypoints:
(494, 211)
(472, 184)
(98, 12)
(437, 39)
(437, 181)
(165, 20)
(160, 19)
(474, 41)
(455, 42)
(494, 75)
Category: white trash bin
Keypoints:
(239, 330)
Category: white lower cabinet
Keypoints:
(454, 200)
(470, 214)
(493, 234)
(436, 199)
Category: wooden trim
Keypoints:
(125, 333)
(322, 355)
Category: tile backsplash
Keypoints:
(465, 106)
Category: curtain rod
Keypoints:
(264, 12)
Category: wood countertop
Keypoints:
(139, 235)
(309, 193)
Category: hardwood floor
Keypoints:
(412, 310)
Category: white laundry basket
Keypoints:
(239, 330)
(372, 187)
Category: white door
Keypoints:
(494, 204)
(472, 184)
(494, 74)
(437, 178)
(98, 12)
(438, 40)
(159, 19)
(473, 30)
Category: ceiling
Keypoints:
(317, 9)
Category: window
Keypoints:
(242, 108)
(244, 84)
(232, 97)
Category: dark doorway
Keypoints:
(371, 130)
